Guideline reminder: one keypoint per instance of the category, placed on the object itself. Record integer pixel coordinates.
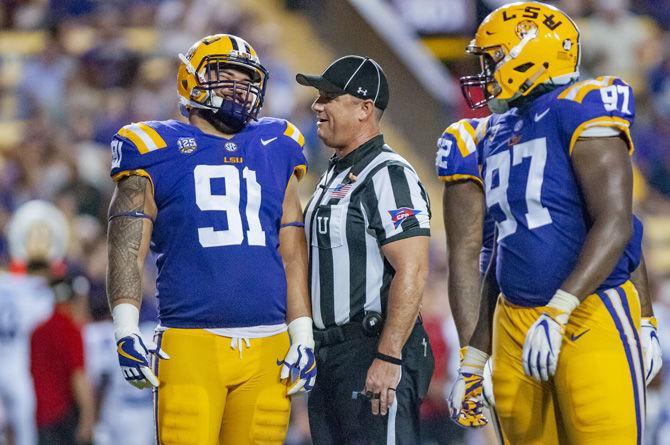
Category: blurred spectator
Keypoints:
(65, 10)
(44, 80)
(629, 54)
(434, 409)
(152, 97)
(109, 63)
(653, 152)
(121, 407)
(183, 22)
(656, 9)
(65, 403)
(25, 301)
(659, 431)
(659, 80)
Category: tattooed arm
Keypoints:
(131, 213)
(128, 239)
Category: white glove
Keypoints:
(466, 399)
(299, 365)
(487, 392)
(651, 348)
(133, 351)
(543, 341)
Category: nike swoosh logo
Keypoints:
(489, 33)
(123, 353)
(538, 117)
(574, 337)
(264, 142)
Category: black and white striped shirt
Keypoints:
(348, 220)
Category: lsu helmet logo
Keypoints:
(401, 214)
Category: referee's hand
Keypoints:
(382, 379)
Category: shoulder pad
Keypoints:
(461, 164)
(145, 136)
(578, 91)
(270, 126)
(294, 133)
(136, 146)
(466, 133)
(606, 101)
(290, 142)
(606, 95)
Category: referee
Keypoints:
(368, 228)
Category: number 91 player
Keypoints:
(554, 159)
(215, 200)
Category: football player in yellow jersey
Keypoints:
(215, 200)
(557, 179)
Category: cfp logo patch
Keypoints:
(116, 153)
(187, 145)
(230, 146)
(401, 214)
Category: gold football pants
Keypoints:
(597, 395)
(211, 393)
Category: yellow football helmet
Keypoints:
(202, 84)
(521, 46)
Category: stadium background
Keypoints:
(74, 71)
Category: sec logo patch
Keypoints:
(230, 146)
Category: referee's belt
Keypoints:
(368, 325)
(339, 334)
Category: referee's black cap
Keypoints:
(359, 76)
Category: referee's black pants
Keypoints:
(336, 418)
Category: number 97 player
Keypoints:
(554, 159)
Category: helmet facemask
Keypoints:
(483, 84)
(228, 104)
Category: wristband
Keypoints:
(126, 318)
(388, 358)
(131, 214)
(300, 331)
(650, 321)
(564, 301)
(292, 224)
(474, 361)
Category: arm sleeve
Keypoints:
(588, 108)
(457, 151)
(396, 204)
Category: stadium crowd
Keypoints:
(96, 66)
